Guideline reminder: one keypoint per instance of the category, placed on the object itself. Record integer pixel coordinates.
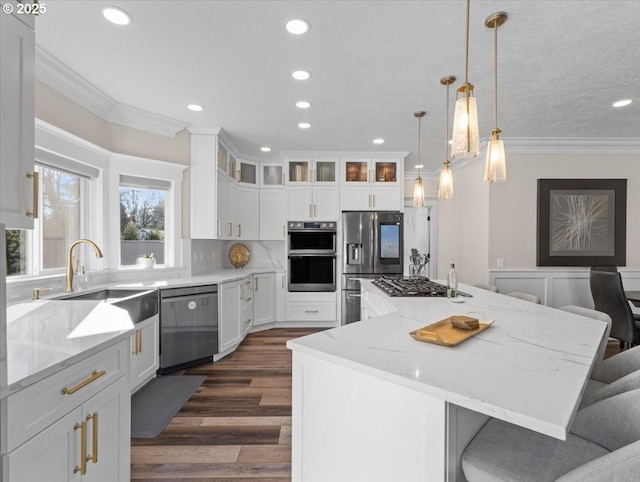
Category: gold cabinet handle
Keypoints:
(94, 439)
(83, 448)
(94, 376)
(139, 341)
(34, 176)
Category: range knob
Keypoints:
(299, 225)
(323, 225)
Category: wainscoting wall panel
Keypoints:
(556, 287)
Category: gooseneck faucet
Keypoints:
(69, 287)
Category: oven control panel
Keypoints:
(312, 225)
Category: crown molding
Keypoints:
(345, 154)
(57, 76)
(552, 145)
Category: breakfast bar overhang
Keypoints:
(370, 403)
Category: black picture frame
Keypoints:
(582, 222)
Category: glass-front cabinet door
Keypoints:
(384, 171)
(272, 175)
(372, 171)
(299, 171)
(304, 171)
(247, 173)
(222, 158)
(356, 171)
(325, 171)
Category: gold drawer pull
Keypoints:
(83, 448)
(34, 177)
(94, 376)
(94, 452)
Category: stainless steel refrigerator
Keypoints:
(371, 246)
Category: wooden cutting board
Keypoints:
(443, 333)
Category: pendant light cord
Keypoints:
(446, 125)
(466, 62)
(419, 155)
(495, 74)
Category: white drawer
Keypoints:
(316, 311)
(41, 404)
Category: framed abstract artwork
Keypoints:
(582, 222)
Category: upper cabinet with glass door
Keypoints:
(312, 170)
(271, 175)
(247, 173)
(370, 171)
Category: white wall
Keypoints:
(512, 213)
(486, 221)
(463, 226)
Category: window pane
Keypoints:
(141, 224)
(16, 252)
(60, 215)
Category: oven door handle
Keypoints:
(312, 255)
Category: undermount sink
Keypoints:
(140, 304)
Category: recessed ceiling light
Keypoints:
(116, 15)
(378, 141)
(265, 149)
(304, 125)
(418, 166)
(195, 107)
(297, 26)
(303, 104)
(622, 103)
(301, 75)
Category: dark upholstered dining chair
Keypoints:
(608, 296)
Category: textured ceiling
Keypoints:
(561, 65)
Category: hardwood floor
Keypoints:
(236, 427)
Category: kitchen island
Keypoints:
(371, 403)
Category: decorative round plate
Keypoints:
(239, 255)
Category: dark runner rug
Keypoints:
(155, 404)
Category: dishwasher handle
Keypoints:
(171, 299)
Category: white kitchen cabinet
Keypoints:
(312, 171)
(247, 215)
(45, 434)
(371, 184)
(264, 298)
(145, 350)
(230, 333)
(273, 214)
(17, 70)
(281, 296)
(271, 175)
(203, 186)
(247, 173)
(246, 305)
(315, 202)
(302, 306)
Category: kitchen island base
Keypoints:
(350, 426)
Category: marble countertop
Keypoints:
(529, 368)
(46, 336)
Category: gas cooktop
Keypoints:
(412, 287)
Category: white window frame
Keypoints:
(121, 164)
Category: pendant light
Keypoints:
(445, 187)
(465, 119)
(418, 187)
(495, 168)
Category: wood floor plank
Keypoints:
(237, 427)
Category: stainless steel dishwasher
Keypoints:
(188, 326)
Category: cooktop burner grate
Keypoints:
(410, 287)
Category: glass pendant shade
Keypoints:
(418, 193)
(445, 188)
(495, 169)
(466, 137)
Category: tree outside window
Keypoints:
(141, 224)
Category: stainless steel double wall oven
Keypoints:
(312, 255)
